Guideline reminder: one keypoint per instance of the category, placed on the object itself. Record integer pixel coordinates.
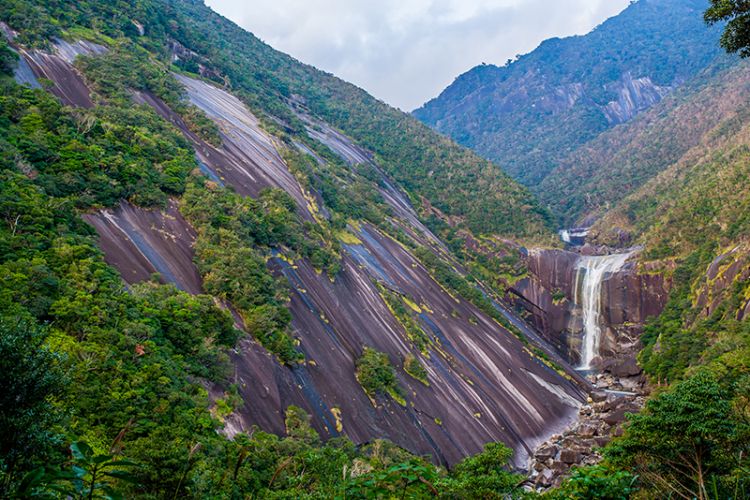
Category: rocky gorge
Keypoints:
(627, 293)
(591, 303)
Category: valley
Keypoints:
(219, 262)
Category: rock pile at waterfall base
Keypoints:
(600, 420)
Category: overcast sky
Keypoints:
(406, 51)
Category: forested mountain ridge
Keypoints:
(224, 274)
(596, 176)
(529, 114)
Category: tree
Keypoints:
(484, 475)
(31, 380)
(7, 58)
(736, 36)
(686, 442)
(596, 482)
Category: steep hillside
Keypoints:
(695, 212)
(267, 263)
(530, 113)
(600, 173)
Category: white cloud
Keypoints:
(406, 51)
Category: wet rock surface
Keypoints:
(550, 293)
(600, 419)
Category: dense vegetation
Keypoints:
(108, 383)
(736, 36)
(376, 375)
(528, 124)
(464, 186)
(453, 179)
(106, 387)
(598, 176)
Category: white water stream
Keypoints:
(593, 270)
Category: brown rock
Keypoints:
(545, 478)
(546, 451)
(588, 429)
(601, 440)
(569, 456)
(627, 367)
(618, 416)
(598, 396)
(560, 467)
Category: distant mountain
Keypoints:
(596, 176)
(528, 115)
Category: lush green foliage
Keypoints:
(7, 58)
(736, 35)
(596, 482)
(93, 157)
(128, 67)
(483, 476)
(126, 354)
(376, 374)
(137, 359)
(691, 440)
(453, 179)
(414, 367)
(236, 235)
(32, 381)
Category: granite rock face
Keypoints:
(725, 270)
(628, 298)
(484, 384)
(633, 96)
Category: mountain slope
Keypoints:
(268, 260)
(465, 187)
(530, 113)
(692, 220)
(601, 172)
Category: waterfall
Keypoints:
(591, 273)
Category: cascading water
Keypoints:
(592, 270)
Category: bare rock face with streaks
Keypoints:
(483, 386)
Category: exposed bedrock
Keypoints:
(728, 268)
(57, 67)
(552, 295)
(484, 384)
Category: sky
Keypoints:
(406, 52)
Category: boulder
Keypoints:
(617, 416)
(588, 429)
(546, 451)
(598, 396)
(560, 467)
(569, 456)
(624, 367)
(601, 440)
(545, 478)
